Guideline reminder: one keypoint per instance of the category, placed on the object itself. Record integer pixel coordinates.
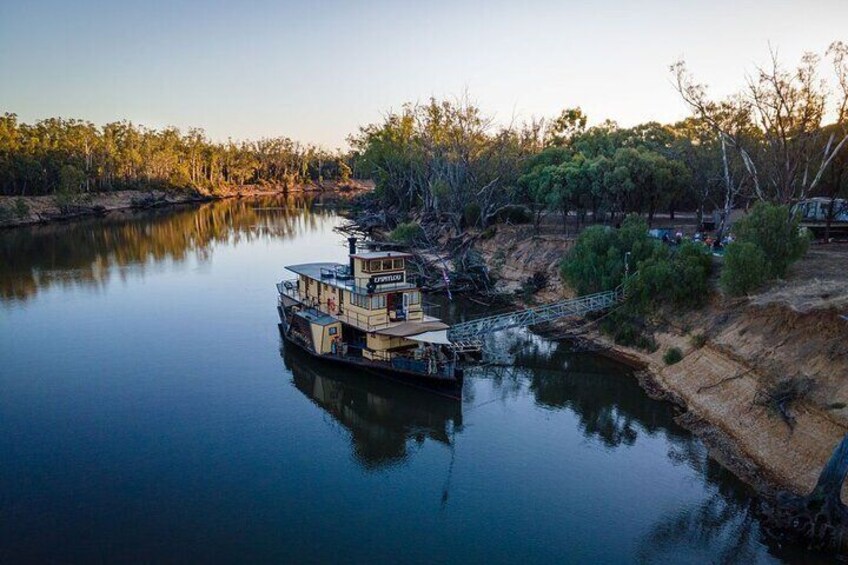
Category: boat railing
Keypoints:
(425, 366)
(289, 288)
(342, 277)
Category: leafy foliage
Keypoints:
(744, 268)
(672, 355)
(776, 232)
(442, 156)
(406, 233)
(609, 170)
(678, 277)
(660, 275)
(699, 340)
(55, 155)
(768, 241)
(627, 328)
(596, 262)
(21, 208)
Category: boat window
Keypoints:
(414, 297)
(387, 264)
(364, 265)
(378, 301)
(398, 263)
(375, 266)
(359, 300)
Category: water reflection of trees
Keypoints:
(612, 408)
(384, 418)
(85, 252)
(602, 393)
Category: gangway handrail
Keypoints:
(580, 305)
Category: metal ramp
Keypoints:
(467, 346)
(473, 330)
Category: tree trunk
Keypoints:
(820, 519)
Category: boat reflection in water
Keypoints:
(382, 416)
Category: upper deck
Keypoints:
(368, 273)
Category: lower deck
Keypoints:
(326, 337)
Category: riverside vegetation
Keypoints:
(447, 177)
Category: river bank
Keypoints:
(736, 353)
(29, 210)
(737, 357)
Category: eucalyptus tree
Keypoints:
(775, 125)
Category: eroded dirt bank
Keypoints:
(735, 353)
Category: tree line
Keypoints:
(781, 138)
(73, 156)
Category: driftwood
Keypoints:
(819, 520)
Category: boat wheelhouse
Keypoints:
(370, 314)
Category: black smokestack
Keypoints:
(351, 242)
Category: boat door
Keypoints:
(406, 296)
(395, 306)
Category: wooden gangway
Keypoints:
(474, 330)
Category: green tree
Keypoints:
(745, 268)
(776, 232)
(570, 123)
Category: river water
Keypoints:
(149, 412)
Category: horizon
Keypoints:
(315, 76)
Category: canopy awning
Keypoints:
(439, 337)
(406, 329)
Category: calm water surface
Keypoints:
(149, 412)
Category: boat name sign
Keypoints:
(386, 279)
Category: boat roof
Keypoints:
(317, 317)
(314, 270)
(381, 255)
(319, 272)
(405, 329)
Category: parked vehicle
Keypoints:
(815, 212)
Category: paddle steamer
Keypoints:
(368, 314)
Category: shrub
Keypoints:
(406, 233)
(471, 214)
(672, 356)
(776, 232)
(21, 208)
(629, 330)
(5, 214)
(699, 340)
(678, 277)
(596, 262)
(744, 268)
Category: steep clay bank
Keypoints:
(795, 328)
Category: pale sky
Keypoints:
(315, 71)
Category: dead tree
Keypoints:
(818, 520)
